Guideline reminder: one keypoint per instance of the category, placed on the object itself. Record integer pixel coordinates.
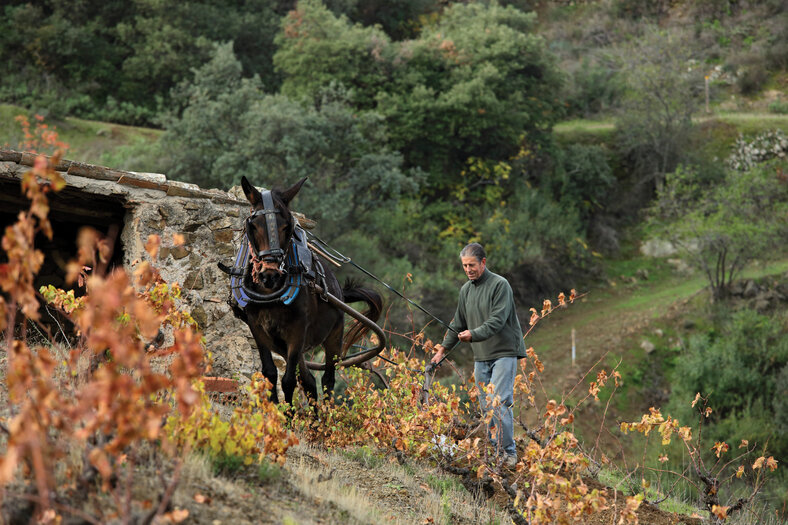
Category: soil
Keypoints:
(388, 497)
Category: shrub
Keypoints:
(714, 475)
(765, 146)
(740, 363)
(84, 418)
(779, 107)
(236, 440)
(90, 408)
(591, 89)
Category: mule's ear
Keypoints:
(288, 194)
(252, 193)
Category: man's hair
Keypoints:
(474, 249)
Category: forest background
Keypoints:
(560, 135)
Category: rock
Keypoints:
(179, 252)
(194, 281)
(751, 289)
(642, 274)
(223, 236)
(222, 223)
(658, 248)
(648, 346)
(199, 315)
(225, 250)
(761, 305)
(658, 332)
(737, 288)
(680, 265)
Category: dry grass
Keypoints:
(375, 489)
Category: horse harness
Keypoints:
(295, 260)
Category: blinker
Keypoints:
(274, 253)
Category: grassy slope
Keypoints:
(596, 131)
(614, 319)
(89, 141)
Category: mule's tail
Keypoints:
(352, 292)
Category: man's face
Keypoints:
(474, 268)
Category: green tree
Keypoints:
(661, 94)
(167, 38)
(475, 83)
(740, 364)
(118, 60)
(721, 228)
(479, 83)
(59, 54)
(229, 127)
(400, 19)
(316, 48)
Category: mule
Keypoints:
(296, 318)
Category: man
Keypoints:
(486, 318)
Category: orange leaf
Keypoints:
(720, 511)
(152, 245)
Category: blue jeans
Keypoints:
(500, 373)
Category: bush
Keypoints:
(779, 107)
(765, 146)
(740, 362)
(591, 89)
(584, 179)
(636, 9)
(751, 76)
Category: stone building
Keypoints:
(131, 206)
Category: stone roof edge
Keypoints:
(156, 181)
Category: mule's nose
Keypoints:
(270, 278)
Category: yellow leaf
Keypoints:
(720, 511)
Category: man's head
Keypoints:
(473, 260)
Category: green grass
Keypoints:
(89, 141)
(753, 123)
(677, 502)
(365, 455)
(595, 131)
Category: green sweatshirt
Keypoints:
(486, 308)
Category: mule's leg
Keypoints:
(295, 350)
(269, 368)
(307, 380)
(270, 371)
(333, 348)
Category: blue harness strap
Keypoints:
(238, 289)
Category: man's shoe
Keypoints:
(510, 461)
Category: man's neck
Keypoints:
(479, 280)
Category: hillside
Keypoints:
(563, 136)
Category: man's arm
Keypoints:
(464, 336)
(454, 336)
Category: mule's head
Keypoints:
(269, 230)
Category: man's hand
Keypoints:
(439, 352)
(464, 336)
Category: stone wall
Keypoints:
(210, 221)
